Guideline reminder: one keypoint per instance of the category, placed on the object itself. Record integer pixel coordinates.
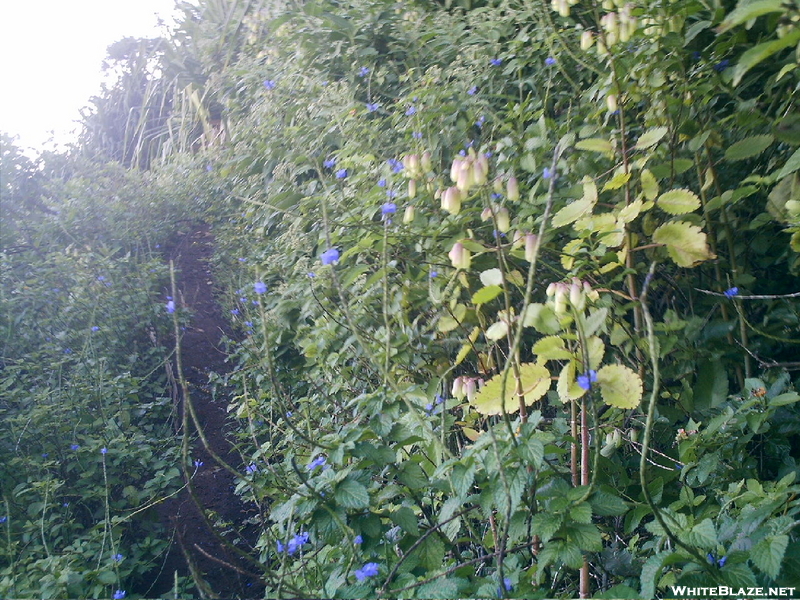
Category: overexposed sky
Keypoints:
(51, 52)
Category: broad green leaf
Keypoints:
(497, 331)
(492, 277)
(686, 243)
(651, 573)
(440, 588)
(589, 189)
(468, 346)
(649, 185)
(413, 476)
(551, 348)
(784, 399)
(535, 381)
(595, 145)
(630, 212)
(768, 554)
(703, 535)
(595, 321)
(545, 525)
(541, 317)
(431, 552)
(745, 11)
(351, 494)
(486, 294)
(572, 212)
(792, 165)
(596, 349)
(678, 202)
(617, 181)
(586, 536)
(620, 386)
(748, 147)
(567, 386)
(651, 137)
(605, 504)
(448, 323)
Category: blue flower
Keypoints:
(250, 469)
(242, 260)
(171, 306)
(45, 454)
(269, 84)
(417, 135)
(289, 414)
(730, 293)
(439, 399)
(429, 408)
(462, 152)
(294, 544)
(373, 106)
(721, 562)
(368, 570)
(103, 450)
(389, 208)
(358, 540)
(411, 111)
(101, 278)
(341, 173)
(117, 557)
(586, 380)
(311, 274)
(235, 311)
(721, 65)
(434, 274)
(67, 350)
(547, 173)
(330, 256)
(260, 287)
(395, 165)
(329, 163)
(74, 447)
(496, 62)
(696, 55)
(279, 546)
(382, 182)
(508, 584)
(3, 519)
(95, 328)
(317, 462)
(549, 61)
(242, 299)
(363, 71)
(119, 595)
(248, 324)
(481, 120)
(473, 90)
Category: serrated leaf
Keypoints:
(572, 212)
(678, 202)
(651, 137)
(448, 323)
(567, 386)
(497, 331)
(595, 145)
(441, 588)
(686, 243)
(651, 573)
(589, 189)
(703, 535)
(608, 505)
(486, 294)
(768, 554)
(586, 536)
(630, 212)
(351, 494)
(551, 348)
(545, 525)
(784, 399)
(582, 513)
(492, 277)
(649, 185)
(595, 348)
(431, 552)
(595, 321)
(617, 181)
(620, 386)
(535, 381)
(749, 147)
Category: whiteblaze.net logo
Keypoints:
(724, 591)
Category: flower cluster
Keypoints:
(368, 570)
(294, 544)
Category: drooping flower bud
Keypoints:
(512, 189)
(460, 256)
(498, 185)
(465, 177)
(503, 219)
(518, 239)
(408, 215)
(576, 296)
(412, 188)
(587, 40)
(560, 299)
(530, 249)
(479, 173)
(451, 200)
(486, 214)
(455, 169)
(425, 162)
(611, 102)
(470, 388)
(458, 388)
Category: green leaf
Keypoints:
(651, 573)
(413, 476)
(448, 323)
(351, 494)
(431, 552)
(497, 331)
(405, 518)
(545, 525)
(784, 399)
(792, 165)
(620, 386)
(441, 588)
(745, 11)
(595, 145)
(703, 535)
(586, 536)
(768, 554)
(678, 202)
(572, 212)
(711, 388)
(617, 181)
(541, 317)
(535, 381)
(567, 386)
(651, 137)
(582, 513)
(608, 505)
(619, 592)
(486, 294)
(649, 185)
(461, 479)
(748, 147)
(551, 348)
(686, 243)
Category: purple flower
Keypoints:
(330, 256)
(496, 62)
(382, 182)
(341, 173)
(411, 111)
(248, 324)
(389, 208)
(317, 462)
(329, 163)
(269, 84)
(363, 71)
(434, 274)
(429, 408)
(235, 311)
(74, 447)
(395, 165)
(547, 173)
(368, 570)
(101, 278)
(104, 450)
(260, 287)
(730, 293)
(473, 90)
(549, 61)
(294, 544)
(372, 106)
(95, 328)
(417, 135)
(481, 120)
(3, 519)
(242, 260)
(391, 194)
(250, 469)
(117, 557)
(171, 306)
(507, 583)
(119, 595)
(198, 464)
(358, 540)
(439, 399)
(311, 274)
(586, 380)
(721, 65)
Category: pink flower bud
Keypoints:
(503, 219)
(530, 250)
(458, 388)
(408, 215)
(460, 256)
(451, 200)
(486, 214)
(470, 388)
(425, 162)
(455, 169)
(412, 188)
(512, 189)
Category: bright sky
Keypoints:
(50, 57)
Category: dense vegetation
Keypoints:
(517, 285)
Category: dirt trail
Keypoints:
(225, 574)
